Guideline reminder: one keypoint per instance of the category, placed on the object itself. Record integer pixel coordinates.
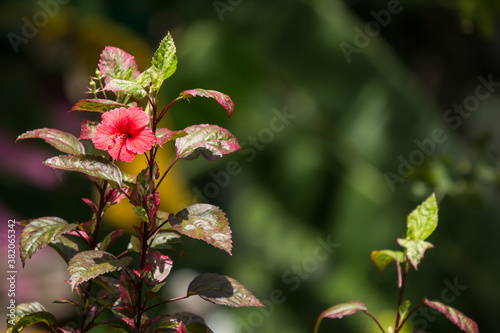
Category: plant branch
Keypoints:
(374, 319)
(167, 301)
(166, 109)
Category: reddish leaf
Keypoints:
(222, 290)
(211, 141)
(96, 105)
(205, 222)
(117, 64)
(62, 141)
(128, 292)
(456, 317)
(221, 98)
(88, 129)
(164, 135)
(339, 311)
(162, 265)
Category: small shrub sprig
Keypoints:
(127, 285)
(421, 224)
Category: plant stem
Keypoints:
(402, 274)
(166, 109)
(374, 319)
(167, 301)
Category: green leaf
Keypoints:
(415, 250)
(211, 141)
(135, 243)
(403, 310)
(205, 222)
(39, 232)
(222, 290)
(141, 214)
(65, 247)
(221, 98)
(95, 166)
(27, 314)
(164, 62)
(456, 317)
(62, 141)
(117, 64)
(96, 105)
(384, 257)
(423, 220)
(34, 318)
(339, 311)
(165, 238)
(129, 87)
(90, 264)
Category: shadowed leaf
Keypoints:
(222, 290)
(62, 141)
(96, 105)
(211, 141)
(456, 317)
(39, 232)
(90, 264)
(339, 311)
(221, 98)
(205, 222)
(95, 166)
(27, 314)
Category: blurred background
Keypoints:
(349, 113)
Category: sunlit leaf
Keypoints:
(423, 220)
(96, 105)
(339, 311)
(90, 264)
(211, 141)
(95, 166)
(221, 98)
(39, 232)
(62, 141)
(129, 87)
(117, 64)
(456, 317)
(222, 290)
(164, 62)
(415, 250)
(206, 222)
(384, 257)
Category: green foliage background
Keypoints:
(320, 174)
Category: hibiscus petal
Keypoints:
(121, 153)
(141, 142)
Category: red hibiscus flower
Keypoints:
(124, 133)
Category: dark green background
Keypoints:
(320, 174)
